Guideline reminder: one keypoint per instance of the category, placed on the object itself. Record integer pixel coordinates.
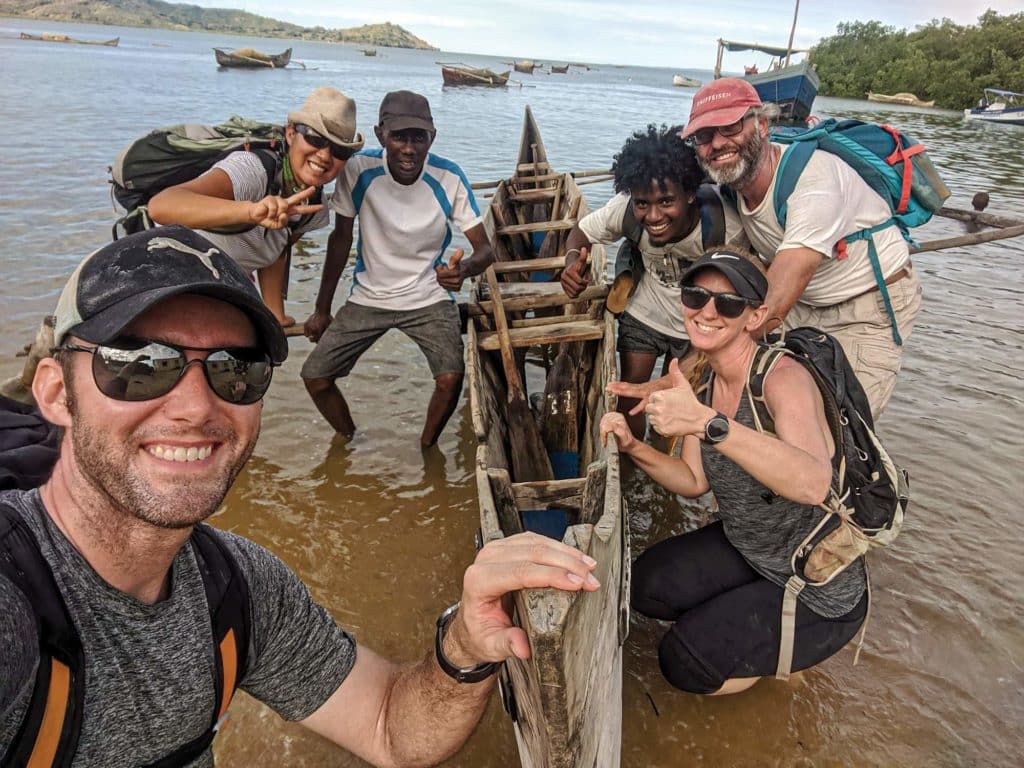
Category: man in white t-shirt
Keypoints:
(657, 176)
(811, 281)
(406, 199)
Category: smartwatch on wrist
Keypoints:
(716, 429)
(462, 674)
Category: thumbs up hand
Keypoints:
(450, 277)
(677, 411)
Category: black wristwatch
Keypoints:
(717, 428)
(462, 674)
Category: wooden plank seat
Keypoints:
(540, 226)
(520, 297)
(547, 333)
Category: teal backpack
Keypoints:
(893, 165)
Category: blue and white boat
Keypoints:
(998, 106)
(792, 86)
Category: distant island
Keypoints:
(192, 18)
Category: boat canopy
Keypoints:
(999, 92)
(771, 50)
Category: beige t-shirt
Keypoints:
(655, 302)
(830, 201)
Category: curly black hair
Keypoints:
(656, 154)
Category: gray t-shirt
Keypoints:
(149, 668)
(259, 247)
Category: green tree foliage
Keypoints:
(939, 60)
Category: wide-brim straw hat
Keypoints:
(332, 114)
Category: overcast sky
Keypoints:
(639, 32)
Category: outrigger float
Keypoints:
(544, 468)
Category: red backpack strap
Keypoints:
(902, 156)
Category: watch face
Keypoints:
(717, 429)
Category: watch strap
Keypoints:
(474, 674)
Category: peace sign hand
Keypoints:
(273, 211)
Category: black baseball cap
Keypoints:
(405, 109)
(747, 280)
(117, 283)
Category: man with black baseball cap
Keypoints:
(406, 199)
(115, 597)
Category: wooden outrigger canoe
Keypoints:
(49, 37)
(907, 99)
(460, 74)
(566, 700)
(249, 58)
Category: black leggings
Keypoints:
(726, 616)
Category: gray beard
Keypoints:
(745, 170)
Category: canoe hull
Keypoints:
(906, 99)
(231, 60)
(49, 38)
(470, 76)
(793, 88)
(566, 700)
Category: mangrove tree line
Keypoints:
(941, 60)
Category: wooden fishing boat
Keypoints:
(559, 69)
(685, 82)
(525, 66)
(50, 37)
(460, 74)
(907, 99)
(250, 58)
(368, 51)
(549, 471)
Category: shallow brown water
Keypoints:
(382, 532)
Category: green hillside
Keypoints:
(154, 13)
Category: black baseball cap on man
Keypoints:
(117, 283)
(747, 280)
(404, 109)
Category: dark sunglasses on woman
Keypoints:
(726, 304)
(316, 141)
(133, 370)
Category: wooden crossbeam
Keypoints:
(550, 333)
(541, 494)
(529, 265)
(542, 226)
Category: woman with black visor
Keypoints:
(722, 586)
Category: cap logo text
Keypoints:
(204, 256)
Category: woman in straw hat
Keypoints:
(255, 213)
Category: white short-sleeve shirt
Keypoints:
(830, 201)
(404, 230)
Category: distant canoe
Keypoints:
(526, 66)
(368, 51)
(685, 82)
(907, 99)
(249, 58)
(47, 37)
(559, 70)
(457, 74)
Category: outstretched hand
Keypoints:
(273, 211)
(524, 561)
(576, 276)
(450, 277)
(676, 411)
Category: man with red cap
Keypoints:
(811, 281)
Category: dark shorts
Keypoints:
(726, 616)
(355, 328)
(635, 336)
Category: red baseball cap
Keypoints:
(720, 102)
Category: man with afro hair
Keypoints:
(668, 218)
